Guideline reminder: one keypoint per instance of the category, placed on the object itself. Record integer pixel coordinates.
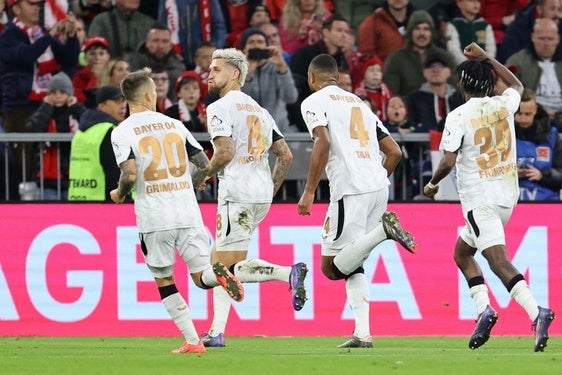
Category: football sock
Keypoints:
(358, 298)
(479, 294)
(522, 294)
(179, 311)
(258, 270)
(353, 255)
(221, 309)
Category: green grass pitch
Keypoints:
(276, 355)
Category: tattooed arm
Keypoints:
(222, 155)
(127, 181)
(201, 162)
(282, 164)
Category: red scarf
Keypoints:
(173, 19)
(50, 168)
(185, 116)
(44, 66)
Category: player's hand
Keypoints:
(305, 203)
(114, 194)
(474, 51)
(430, 191)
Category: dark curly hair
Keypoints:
(476, 77)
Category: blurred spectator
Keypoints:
(162, 81)
(59, 113)
(275, 8)
(539, 152)
(157, 52)
(334, 38)
(436, 97)
(468, 26)
(237, 15)
(517, 36)
(124, 27)
(353, 57)
(539, 67)
(372, 86)
(203, 57)
(500, 14)
(93, 169)
(89, 9)
(29, 56)
(3, 15)
(85, 81)
(406, 181)
(258, 15)
(383, 31)
(301, 23)
(344, 81)
(192, 24)
(113, 72)
(271, 31)
(442, 12)
(403, 71)
(189, 108)
(269, 80)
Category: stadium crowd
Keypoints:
(58, 57)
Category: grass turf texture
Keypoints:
(275, 355)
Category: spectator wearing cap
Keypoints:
(403, 71)
(93, 169)
(85, 81)
(157, 53)
(29, 56)
(59, 113)
(189, 108)
(468, 26)
(269, 80)
(258, 15)
(430, 104)
(373, 87)
(192, 24)
(124, 27)
(237, 16)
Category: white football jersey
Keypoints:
(355, 163)
(483, 132)
(247, 178)
(164, 195)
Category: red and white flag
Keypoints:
(55, 10)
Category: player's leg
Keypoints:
(158, 249)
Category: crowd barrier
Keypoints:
(300, 144)
(77, 270)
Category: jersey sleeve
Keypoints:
(218, 120)
(453, 132)
(512, 99)
(313, 113)
(121, 145)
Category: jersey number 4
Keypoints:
(357, 127)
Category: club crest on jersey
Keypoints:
(216, 123)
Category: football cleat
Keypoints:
(394, 231)
(229, 282)
(296, 282)
(540, 326)
(356, 342)
(190, 348)
(484, 326)
(213, 342)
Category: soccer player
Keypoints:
(243, 133)
(153, 152)
(479, 137)
(348, 138)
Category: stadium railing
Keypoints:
(300, 144)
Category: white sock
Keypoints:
(522, 294)
(479, 294)
(358, 296)
(209, 278)
(179, 311)
(258, 270)
(353, 255)
(221, 309)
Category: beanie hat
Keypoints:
(417, 17)
(60, 81)
(190, 74)
(374, 60)
(248, 33)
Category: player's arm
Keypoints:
(318, 161)
(201, 161)
(282, 163)
(443, 169)
(392, 153)
(223, 154)
(127, 181)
